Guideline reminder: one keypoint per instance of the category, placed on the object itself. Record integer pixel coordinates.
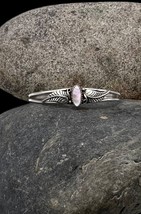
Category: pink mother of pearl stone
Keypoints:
(76, 95)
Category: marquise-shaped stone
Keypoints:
(76, 95)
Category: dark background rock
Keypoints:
(62, 160)
(95, 45)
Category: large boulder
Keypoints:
(62, 160)
(91, 44)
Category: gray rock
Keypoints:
(91, 44)
(62, 160)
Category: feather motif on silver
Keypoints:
(58, 96)
(95, 95)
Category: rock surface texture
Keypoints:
(62, 160)
(91, 44)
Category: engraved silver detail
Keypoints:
(95, 95)
(89, 95)
(56, 97)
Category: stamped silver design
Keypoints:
(76, 95)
